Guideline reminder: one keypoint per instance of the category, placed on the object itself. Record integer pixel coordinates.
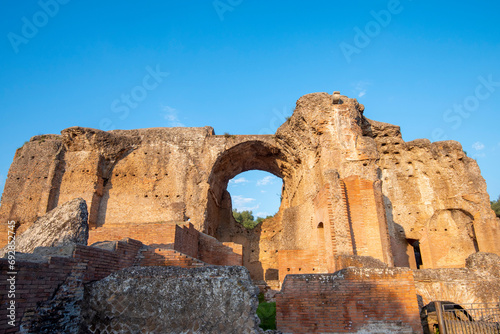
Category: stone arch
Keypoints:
(259, 254)
(245, 156)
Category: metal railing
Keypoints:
(477, 318)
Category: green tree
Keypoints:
(245, 218)
(495, 205)
(260, 219)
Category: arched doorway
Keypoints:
(219, 222)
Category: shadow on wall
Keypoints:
(103, 205)
(231, 231)
(451, 236)
(397, 237)
(55, 187)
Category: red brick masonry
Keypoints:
(36, 282)
(347, 301)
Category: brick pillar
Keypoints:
(367, 219)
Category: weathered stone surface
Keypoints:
(434, 194)
(351, 186)
(172, 300)
(478, 283)
(42, 254)
(484, 262)
(359, 261)
(65, 225)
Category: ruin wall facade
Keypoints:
(352, 186)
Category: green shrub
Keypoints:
(267, 315)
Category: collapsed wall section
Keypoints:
(43, 280)
(179, 237)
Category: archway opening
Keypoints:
(255, 196)
(246, 156)
(260, 245)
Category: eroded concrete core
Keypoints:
(172, 300)
(352, 187)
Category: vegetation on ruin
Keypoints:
(247, 219)
(495, 205)
(266, 313)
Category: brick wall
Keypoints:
(147, 233)
(168, 257)
(349, 301)
(102, 262)
(298, 261)
(36, 282)
(368, 227)
(214, 252)
(186, 240)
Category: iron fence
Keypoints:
(480, 318)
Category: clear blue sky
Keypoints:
(239, 66)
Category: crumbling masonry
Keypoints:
(352, 189)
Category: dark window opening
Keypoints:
(416, 251)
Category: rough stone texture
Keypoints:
(172, 300)
(435, 194)
(42, 254)
(352, 186)
(478, 283)
(64, 225)
(485, 262)
(359, 262)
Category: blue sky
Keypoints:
(256, 191)
(240, 65)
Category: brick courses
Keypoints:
(347, 301)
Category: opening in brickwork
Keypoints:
(255, 196)
(259, 154)
(415, 245)
(246, 156)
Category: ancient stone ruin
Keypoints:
(360, 208)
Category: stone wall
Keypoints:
(338, 168)
(172, 300)
(349, 301)
(479, 282)
(49, 282)
(433, 194)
